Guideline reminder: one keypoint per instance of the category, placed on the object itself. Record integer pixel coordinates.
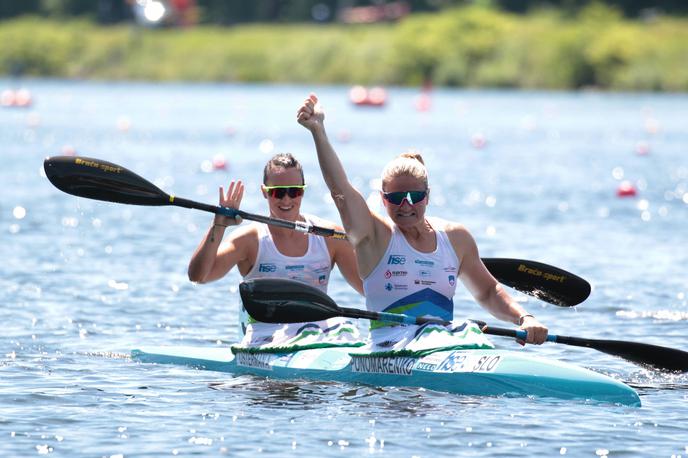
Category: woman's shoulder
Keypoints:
(446, 225)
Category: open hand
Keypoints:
(232, 199)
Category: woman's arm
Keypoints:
(352, 207)
(211, 260)
(364, 229)
(345, 258)
(485, 288)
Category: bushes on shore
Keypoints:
(465, 47)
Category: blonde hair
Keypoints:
(406, 164)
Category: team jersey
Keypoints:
(313, 268)
(412, 282)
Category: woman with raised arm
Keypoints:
(410, 262)
(261, 251)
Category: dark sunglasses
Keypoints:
(278, 192)
(396, 198)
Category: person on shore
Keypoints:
(263, 251)
(410, 262)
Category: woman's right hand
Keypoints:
(232, 199)
(310, 114)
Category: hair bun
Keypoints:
(413, 155)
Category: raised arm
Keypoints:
(353, 210)
(485, 288)
(212, 258)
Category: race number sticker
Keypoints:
(460, 361)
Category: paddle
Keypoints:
(288, 301)
(102, 180)
(547, 283)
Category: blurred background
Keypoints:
(556, 44)
(555, 131)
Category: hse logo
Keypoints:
(267, 268)
(396, 259)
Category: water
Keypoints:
(83, 282)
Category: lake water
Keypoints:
(533, 175)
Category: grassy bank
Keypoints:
(467, 47)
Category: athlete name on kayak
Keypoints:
(382, 365)
(255, 360)
(539, 273)
(98, 165)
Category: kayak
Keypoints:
(484, 372)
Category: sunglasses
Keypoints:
(278, 192)
(396, 198)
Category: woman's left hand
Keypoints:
(537, 332)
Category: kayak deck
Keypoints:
(490, 372)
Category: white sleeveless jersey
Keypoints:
(313, 268)
(411, 282)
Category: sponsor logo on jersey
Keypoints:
(395, 273)
(424, 262)
(296, 267)
(396, 259)
(267, 268)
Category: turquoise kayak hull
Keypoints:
(491, 372)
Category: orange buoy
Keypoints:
(377, 96)
(20, 98)
(478, 140)
(373, 97)
(423, 102)
(642, 149)
(626, 189)
(219, 162)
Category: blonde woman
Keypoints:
(410, 262)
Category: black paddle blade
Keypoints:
(664, 358)
(272, 300)
(547, 283)
(101, 180)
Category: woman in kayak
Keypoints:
(409, 263)
(261, 251)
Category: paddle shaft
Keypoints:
(663, 358)
(273, 300)
(231, 212)
(102, 180)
